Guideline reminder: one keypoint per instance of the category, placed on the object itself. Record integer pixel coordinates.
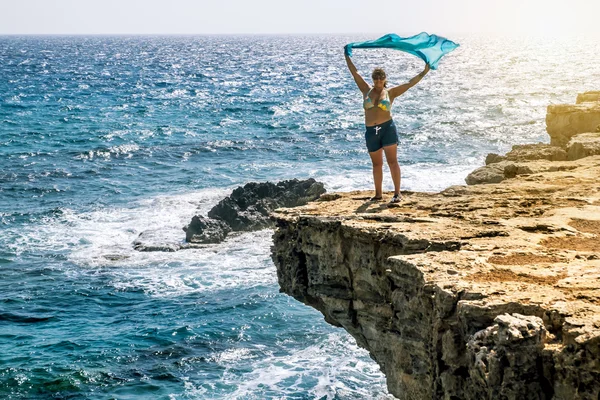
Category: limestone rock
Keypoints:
(505, 359)
(583, 145)
(539, 151)
(498, 172)
(478, 292)
(529, 152)
(588, 97)
(492, 158)
(491, 173)
(563, 121)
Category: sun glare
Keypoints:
(551, 17)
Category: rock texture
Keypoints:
(248, 208)
(500, 171)
(477, 292)
(529, 152)
(154, 240)
(206, 230)
(583, 145)
(565, 124)
(563, 121)
(588, 97)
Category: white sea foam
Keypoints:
(104, 238)
(333, 368)
(126, 150)
(417, 177)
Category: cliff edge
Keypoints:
(487, 291)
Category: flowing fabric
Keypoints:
(429, 48)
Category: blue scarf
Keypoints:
(429, 48)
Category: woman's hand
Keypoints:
(347, 51)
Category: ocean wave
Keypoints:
(121, 135)
(24, 319)
(124, 150)
(331, 369)
(17, 106)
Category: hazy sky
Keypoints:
(538, 17)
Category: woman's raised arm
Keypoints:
(360, 82)
(398, 90)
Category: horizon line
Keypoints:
(295, 34)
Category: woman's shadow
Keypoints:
(371, 206)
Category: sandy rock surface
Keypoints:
(487, 291)
(563, 121)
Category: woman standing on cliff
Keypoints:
(381, 134)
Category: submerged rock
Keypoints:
(154, 240)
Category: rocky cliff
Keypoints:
(566, 120)
(487, 291)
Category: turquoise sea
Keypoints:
(105, 137)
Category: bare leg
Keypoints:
(391, 155)
(377, 160)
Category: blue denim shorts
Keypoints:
(381, 135)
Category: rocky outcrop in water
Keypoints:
(248, 208)
(206, 230)
(487, 291)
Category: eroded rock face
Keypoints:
(530, 152)
(477, 292)
(563, 121)
(248, 208)
(206, 230)
(583, 145)
(505, 359)
(588, 97)
(500, 171)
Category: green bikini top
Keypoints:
(385, 104)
